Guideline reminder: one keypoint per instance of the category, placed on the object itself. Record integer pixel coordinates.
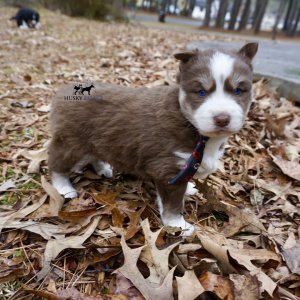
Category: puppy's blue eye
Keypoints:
(202, 93)
(237, 91)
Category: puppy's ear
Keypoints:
(249, 50)
(186, 56)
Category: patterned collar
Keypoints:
(193, 163)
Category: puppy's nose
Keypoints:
(222, 120)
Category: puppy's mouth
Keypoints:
(218, 132)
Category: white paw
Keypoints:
(208, 167)
(202, 173)
(103, 168)
(63, 185)
(191, 189)
(68, 192)
(187, 228)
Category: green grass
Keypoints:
(29, 185)
(9, 174)
(9, 198)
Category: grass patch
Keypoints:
(10, 173)
(9, 198)
(29, 185)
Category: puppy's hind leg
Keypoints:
(103, 168)
(170, 202)
(63, 185)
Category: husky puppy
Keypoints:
(27, 18)
(152, 132)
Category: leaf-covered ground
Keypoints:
(106, 243)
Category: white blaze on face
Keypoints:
(219, 101)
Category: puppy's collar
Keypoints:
(193, 163)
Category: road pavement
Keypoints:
(279, 59)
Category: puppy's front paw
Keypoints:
(70, 194)
(191, 189)
(187, 228)
(67, 191)
(208, 167)
(63, 185)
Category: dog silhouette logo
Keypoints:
(79, 89)
(83, 91)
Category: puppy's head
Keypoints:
(215, 88)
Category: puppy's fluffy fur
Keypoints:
(148, 132)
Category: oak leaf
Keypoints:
(159, 284)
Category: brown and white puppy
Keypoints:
(148, 132)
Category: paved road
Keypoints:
(280, 59)
(277, 59)
(169, 20)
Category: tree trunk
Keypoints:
(207, 12)
(191, 7)
(245, 15)
(164, 5)
(184, 11)
(221, 14)
(294, 21)
(279, 14)
(287, 16)
(175, 7)
(260, 16)
(292, 18)
(117, 9)
(167, 6)
(256, 11)
(234, 13)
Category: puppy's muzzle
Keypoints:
(221, 120)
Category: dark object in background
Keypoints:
(27, 17)
(161, 16)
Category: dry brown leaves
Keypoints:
(95, 247)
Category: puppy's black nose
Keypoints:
(222, 120)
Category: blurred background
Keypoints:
(218, 24)
(267, 17)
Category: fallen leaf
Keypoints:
(44, 108)
(218, 251)
(244, 257)
(35, 157)
(292, 257)
(21, 213)
(217, 284)
(9, 184)
(159, 284)
(125, 287)
(55, 203)
(245, 287)
(289, 168)
(189, 286)
(46, 230)
(23, 104)
(13, 274)
(54, 247)
(240, 219)
(156, 260)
